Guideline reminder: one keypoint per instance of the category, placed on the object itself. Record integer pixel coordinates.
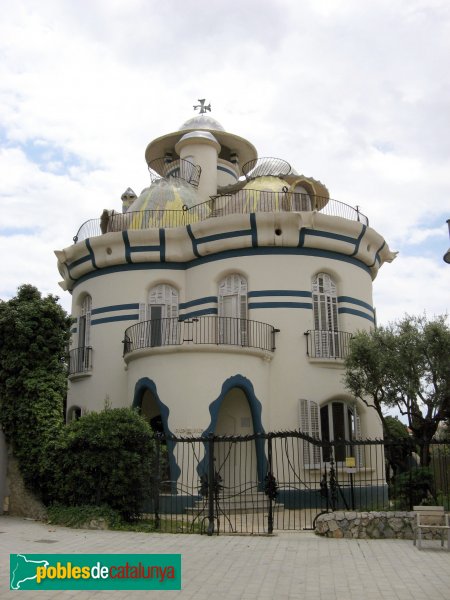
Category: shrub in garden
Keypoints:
(102, 459)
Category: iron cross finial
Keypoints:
(202, 106)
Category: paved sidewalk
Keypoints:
(287, 565)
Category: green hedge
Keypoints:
(102, 459)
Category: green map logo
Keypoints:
(95, 571)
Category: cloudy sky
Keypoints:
(356, 94)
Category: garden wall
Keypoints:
(363, 525)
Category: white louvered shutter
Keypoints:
(359, 450)
(310, 424)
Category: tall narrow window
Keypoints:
(233, 310)
(83, 354)
(326, 335)
(161, 314)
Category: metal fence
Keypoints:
(244, 201)
(283, 481)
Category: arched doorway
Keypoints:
(236, 461)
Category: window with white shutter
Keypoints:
(324, 299)
(310, 424)
(162, 325)
(232, 309)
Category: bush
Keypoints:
(413, 487)
(102, 459)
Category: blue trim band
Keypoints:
(331, 236)
(113, 319)
(229, 171)
(358, 241)
(91, 252)
(126, 241)
(259, 293)
(357, 313)
(145, 249)
(193, 240)
(205, 300)
(260, 251)
(198, 313)
(351, 300)
(377, 256)
(114, 307)
(140, 388)
(162, 244)
(280, 305)
(79, 261)
(254, 230)
(223, 236)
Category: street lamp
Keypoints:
(447, 254)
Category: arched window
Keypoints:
(161, 313)
(74, 413)
(233, 310)
(326, 336)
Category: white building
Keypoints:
(223, 297)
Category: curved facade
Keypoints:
(231, 315)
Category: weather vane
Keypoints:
(202, 106)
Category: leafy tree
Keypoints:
(102, 459)
(404, 366)
(34, 333)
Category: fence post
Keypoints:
(270, 477)
(157, 480)
(211, 491)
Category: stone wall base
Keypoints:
(370, 525)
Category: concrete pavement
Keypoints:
(285, 566)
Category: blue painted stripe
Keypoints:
(260, 251)
(332, 236)
(357, 313)
(377, 256)
(358, 241)
(205, 300)
(259, 293)
(91, 252)
(114, 307)
(162, 244)
(223, 236)
(280, 305)
(254, 230)
(301, 237)
(126, 241)
(145, 249)
(113, 319)
(198, 313)
(351, 300)
(225, 170)
(193, 240)
(79, 261)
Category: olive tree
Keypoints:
(404, 366)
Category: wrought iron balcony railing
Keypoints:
(266, 166)
(208, 329)
(327, 344)
(161, 168)
(242, 202)
(80, 360)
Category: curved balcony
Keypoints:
(328, 345)
(161, 168)
(80, 360)
(264, 167)
(209, 329)
(242, 202)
